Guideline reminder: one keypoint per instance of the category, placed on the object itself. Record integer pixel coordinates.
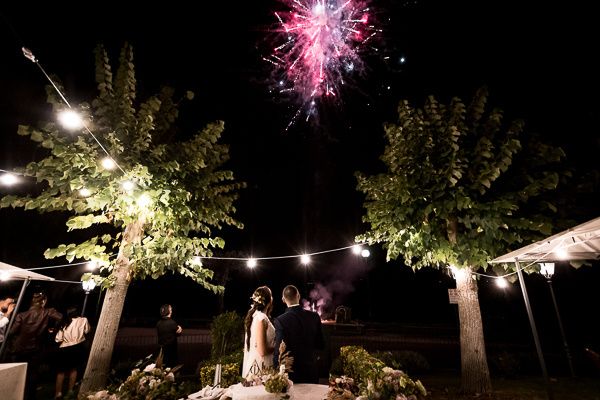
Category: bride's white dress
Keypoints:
(254, 363)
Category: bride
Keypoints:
(259, 340)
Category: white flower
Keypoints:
(149, 367)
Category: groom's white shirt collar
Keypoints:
(293, 305)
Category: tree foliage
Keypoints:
(182, 193)
(460, 185)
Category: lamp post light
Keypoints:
(88, 286)
(548, 271)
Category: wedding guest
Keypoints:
(7, 305)
(301, 331)
(29, 330)
(168, 330)
(260, 333)
(72, 351)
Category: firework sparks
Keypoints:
(322, 43)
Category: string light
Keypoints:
(305, 259)
(128, 186)
(70, 120)
(85, 192)
(357, 249)
(108, 163)
(562, 253)
(8, 179)
(144, 200)
(92, 265)
(501, 282)
(251, 263)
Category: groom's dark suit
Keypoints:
(301, 331)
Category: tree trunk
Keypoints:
(98, 364)
(475, 376)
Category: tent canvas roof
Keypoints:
(20, 273)
(580, 243)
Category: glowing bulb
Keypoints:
(502, 283)
(4, 276)
(144, 200)
(92, 265)
(85, 192)
(402, 60)
(70, 120)
(88, 285)
(305, 259)
(197, 260)
(8, 179)
(365, 253)
(128, 186)
(562, 253)
(547, 269)
(251, 263)
(108, 163)
(356, 249)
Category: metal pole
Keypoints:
(84, 304)
(536, 338)
(12, 318)
(562, 331)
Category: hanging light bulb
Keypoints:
(91, 265)
(128, 186)
(365, 253)
(144, 200)
(305, 259)
(251, 263)
(502, 282)
(8, 179)
(70, 120)
(356, 249)
(108, 163)
(85, 192)
(562, 253)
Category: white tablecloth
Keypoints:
(308, 391)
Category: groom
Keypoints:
(301, 331)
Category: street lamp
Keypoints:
(88, 286)
(548, 271)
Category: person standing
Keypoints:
(29, 330)
(7, 306)
(259, 335)
(72, 350)
(168, 330)
(301, 331)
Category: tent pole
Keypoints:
(12, 318)
(534, 331)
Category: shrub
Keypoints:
(375, 380)
(230, 374)
(226, 332)
(408, 361)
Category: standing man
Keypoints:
(7, 305)
(301, 331)
(168, 330)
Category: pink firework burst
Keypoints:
(322, 43)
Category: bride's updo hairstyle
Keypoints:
(262, 300)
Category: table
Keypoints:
(12, 380)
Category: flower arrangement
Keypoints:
(145, 383)
(274, 381)
(152, 382)
(342, 388)
(370, 379)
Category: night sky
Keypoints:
(538, 62)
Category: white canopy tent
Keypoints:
(580, 243)
(575, 244)
(10, 272)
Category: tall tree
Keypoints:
(159, 212)
(459, 189)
